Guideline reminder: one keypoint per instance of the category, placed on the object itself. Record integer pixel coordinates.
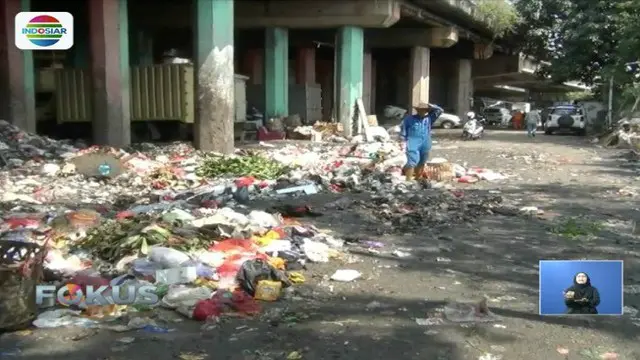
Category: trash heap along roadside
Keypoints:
(178, 219)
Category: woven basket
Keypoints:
(20, 271)
(439, 171)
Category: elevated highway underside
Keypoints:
(420, 50)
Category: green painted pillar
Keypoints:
(110, 70)
(214, 123)
(350, 69)
(17, 73)
(276, 72)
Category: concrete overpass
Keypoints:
(320, 53)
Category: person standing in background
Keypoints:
(518, 118)
(532, 120)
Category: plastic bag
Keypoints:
(179, 296)
(167, 257)
(253, 271)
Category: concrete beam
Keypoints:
(500, 65)
(317, 13)
(400, 38)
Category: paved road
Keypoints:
(493, 256)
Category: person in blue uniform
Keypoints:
(416, 134)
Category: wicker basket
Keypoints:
(20, 272)
(439, 171)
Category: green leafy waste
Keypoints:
(114, 240)
(573, 228)
(251, 165)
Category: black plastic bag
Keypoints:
(253, 271)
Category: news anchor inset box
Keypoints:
(581, 287)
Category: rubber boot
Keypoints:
(419, 172)
(408, 173)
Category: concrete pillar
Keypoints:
(306, 66)
(367, 82)
(462, 87)
(325, 77)
(109, 37)
(17, 78)
(276, 63)
(213, 128)
(350, 47)
(374, 86)
(253, 66)
(420, 65)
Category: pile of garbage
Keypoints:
(626, 135)
(175, 219)
(201, 262)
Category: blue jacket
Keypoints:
(415, 127)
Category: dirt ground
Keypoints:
(374, 317)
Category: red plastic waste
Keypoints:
(22, 223)
(468, 179)
(234, 245)
(266, 135)
(84, 280)
(125, 215)
(245, 181)
(221, 302)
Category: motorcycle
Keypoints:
(473, 129)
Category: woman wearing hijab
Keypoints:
(582, 298)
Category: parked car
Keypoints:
(447, 121)
(566, 118)
(497, 116)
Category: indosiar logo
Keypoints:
(44, 31)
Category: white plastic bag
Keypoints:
(345, 275)
(316, 251)
(183, 296)
(167, 257)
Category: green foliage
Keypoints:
(586, 40)
(580, 95)
(251, 165)
(500, 16)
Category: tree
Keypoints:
(585, 40)
(500, 16)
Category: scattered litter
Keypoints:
(346, 275)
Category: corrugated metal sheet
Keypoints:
(73, 102)
(158, 92)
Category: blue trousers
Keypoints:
(531, 129)
(417, 151)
